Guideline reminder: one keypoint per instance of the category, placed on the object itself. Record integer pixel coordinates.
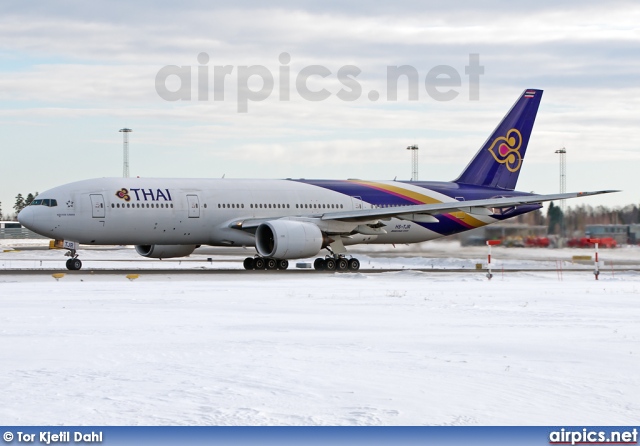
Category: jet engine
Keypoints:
(164, 251)
(286, 239)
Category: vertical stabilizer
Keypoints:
(499, 160)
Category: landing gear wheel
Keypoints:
(249, 263)
(330, 265)
(283, 264)
(271, 263)
(354, 264)
(342, 264)
(259, 263)
(318, 264)
(74, 264)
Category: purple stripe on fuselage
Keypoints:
(447, 225)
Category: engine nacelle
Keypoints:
(286, 239)
(164, 251)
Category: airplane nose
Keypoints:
(25, 217)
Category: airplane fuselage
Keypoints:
(147, 211)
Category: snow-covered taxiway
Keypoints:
(395, 348)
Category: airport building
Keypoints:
(14, 230)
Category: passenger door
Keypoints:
(97, 206)
(194, 206)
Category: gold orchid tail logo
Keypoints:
(123, 194)
(506, 150)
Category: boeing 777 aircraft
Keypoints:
(292, 219)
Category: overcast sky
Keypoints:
(73, 73)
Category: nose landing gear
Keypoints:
(74, 263)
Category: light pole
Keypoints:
(414, 162)
(563, 186)
(125, 152)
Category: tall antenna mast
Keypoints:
(414, 162)
(125, 152)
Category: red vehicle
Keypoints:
(537, 242)
(583, 242)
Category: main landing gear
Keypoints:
(340, 263)
(267, 263)
(329, 263)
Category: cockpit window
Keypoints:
(46, 202)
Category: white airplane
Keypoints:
(292, 219)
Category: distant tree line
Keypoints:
(20, 204)
(575, 219)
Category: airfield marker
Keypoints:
(596, 272)
(490, 243)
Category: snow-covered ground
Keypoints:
(397, 348)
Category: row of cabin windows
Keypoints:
(138, 205)
(320, 206)
(280, 206)
(228, 206)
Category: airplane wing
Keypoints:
(421, 212)
(480, 207)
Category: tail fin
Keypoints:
(498, 162)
